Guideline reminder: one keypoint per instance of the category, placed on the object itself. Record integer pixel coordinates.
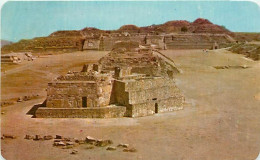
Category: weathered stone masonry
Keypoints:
(100, 92)
(147, 95)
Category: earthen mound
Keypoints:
(201, 21)
(92, 30)
(201, 25)
(179, 23)
(73, 33)
(129, 28)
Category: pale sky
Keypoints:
(25, 20)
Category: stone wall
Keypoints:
(119, 94)
(156, 40)
(69, 94)
(109, 42)
(182, 45)
(147, 96)
(196, 41)
(46, 44)
(101, 112)
(10, 59)
(149, 107)
(77, 42)
(91, 44)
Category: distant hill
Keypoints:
(5, 42)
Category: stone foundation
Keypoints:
(5, 59)
(147, 96)
(154, 106)
(94, 112)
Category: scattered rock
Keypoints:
(129, 150)
(221, 67)
(59, 144)
(244, 66)
(2, 112)
(110, 148)
(6, 103)
(37, 138)
(74, 152)
(231, 67)
(123, 145)
(58, 137)
(28, 137)
(49, 137)
(57, 140)
(79, 141)
(19, 99)
(103, 143)
(26, 98)
(8, 136)
(67, 147)
(90, 140)
(70, 143)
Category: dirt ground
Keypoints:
(220, 121)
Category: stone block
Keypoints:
(90, 140)
(129, 150)
(37, 137)
(9, 136)
(48, 137)
(103, 143)
(59, 137)
(123, 145)
(110, 148)
(28, 137)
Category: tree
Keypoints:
(224, 27)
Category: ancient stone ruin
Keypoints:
(16, 58)
(9, 59)
(130, 81)
(200, 34)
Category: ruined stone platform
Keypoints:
(131, 81)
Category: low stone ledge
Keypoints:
(95, 112)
